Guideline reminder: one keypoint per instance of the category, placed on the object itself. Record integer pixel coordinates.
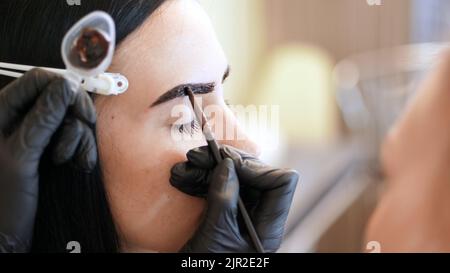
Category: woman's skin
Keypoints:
(414, 212)
(176, 45)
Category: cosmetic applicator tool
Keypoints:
(214, 147)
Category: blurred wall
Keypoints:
(430, 20)
(252, 32)
(249, 29)
(341, 27)
(241, 28)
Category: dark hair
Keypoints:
(73, 205)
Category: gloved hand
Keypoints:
(32, 108)
(266, 192)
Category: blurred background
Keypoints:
(341, 72)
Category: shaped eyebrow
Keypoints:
(178, 91)
(197, 88)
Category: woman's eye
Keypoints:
(188, 128)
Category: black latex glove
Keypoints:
(266, 191)
(32, 108)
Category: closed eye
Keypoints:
(188, 128)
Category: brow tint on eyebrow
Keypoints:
(179, 91)
(198, 88)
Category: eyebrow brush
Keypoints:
(214, 147)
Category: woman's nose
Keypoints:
(237, 138)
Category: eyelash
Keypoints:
(188, 128)
(193, 126)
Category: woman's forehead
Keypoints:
(178, 36)
(176, 45)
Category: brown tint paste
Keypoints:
(89, 50)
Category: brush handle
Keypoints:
(214, 146)
(250, 228)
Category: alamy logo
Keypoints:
(374, 2)
(373, 247)
(73, 2)
(73, 247)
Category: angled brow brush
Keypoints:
(214, 146)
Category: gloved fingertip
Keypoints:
(195, 152)
(179, 168)
(225, 175)
(91, 160)
(185, 174)
(189, 179)
(84, 107)
(201, 157)
(60, 156)
(178, 175)
(192, 189)
(67, 91)
(230, 153)
(293, 177)
(295, 174)
(86, 163)
(71, 84)
(223, 193)
(86, 155)
(228, 162)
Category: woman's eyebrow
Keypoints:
(179, 91)
(197, 88)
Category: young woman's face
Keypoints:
(137, 141)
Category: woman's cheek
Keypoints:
(146, 208)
